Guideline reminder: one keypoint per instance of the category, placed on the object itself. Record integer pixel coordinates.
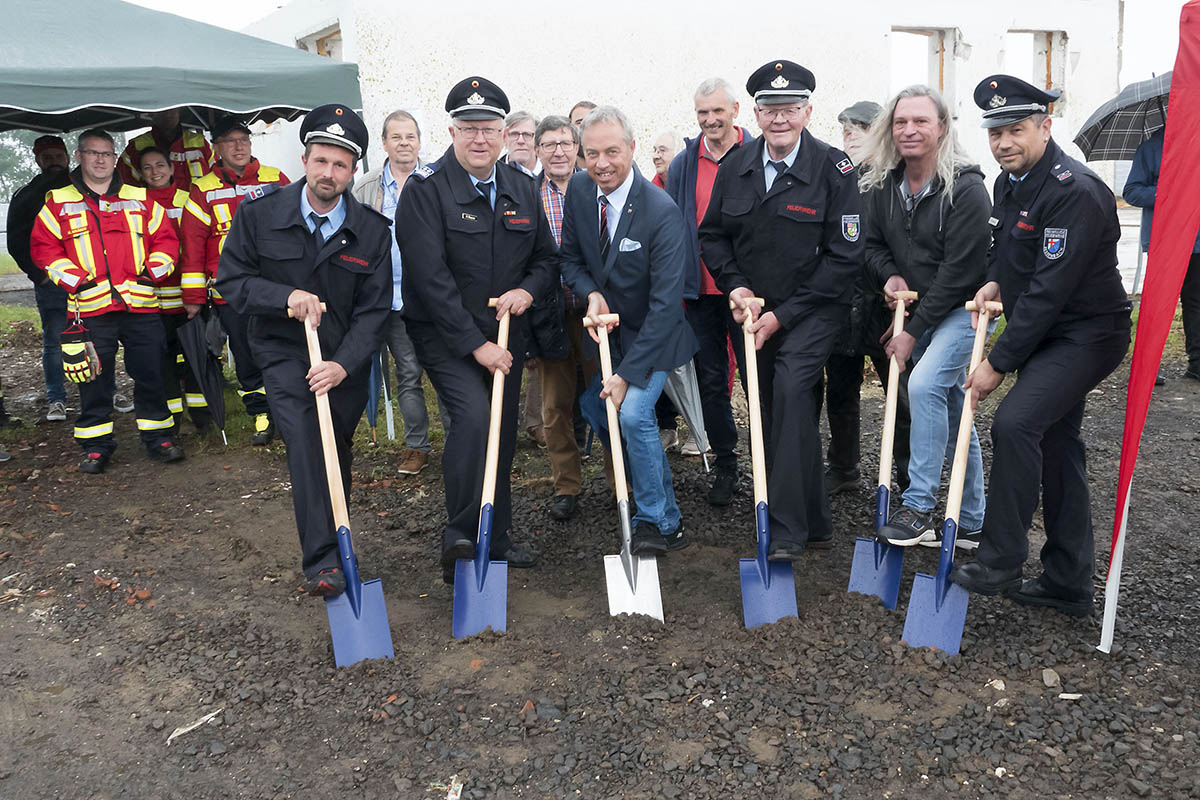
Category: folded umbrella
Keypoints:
(193, 338)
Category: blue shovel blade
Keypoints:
(876, 567)
(933, 624)
(479, 605)
(770, 599)
(363, 635)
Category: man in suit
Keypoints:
(470, 229)
(783, 225)
(623, 249)
(290, 250)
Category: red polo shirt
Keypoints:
(706, 176)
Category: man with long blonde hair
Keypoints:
(926, 210)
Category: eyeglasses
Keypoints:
(550, 147)
(490, 134)
(236, 141)
(791, 113)
(520, 135)
(98, 154)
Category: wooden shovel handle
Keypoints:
(758, 453)
(493, 443)
(610, 408)
(292, 316)
(333, 470)
(733, 303)
(993, 308)
(602, 319)
(888, 442)
(958, 471)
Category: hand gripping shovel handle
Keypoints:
(888, 442)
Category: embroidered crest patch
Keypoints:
(1054, 243)
(844, 166)
(850, 227)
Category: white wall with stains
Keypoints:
(647, 57)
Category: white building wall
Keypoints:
(647, 58)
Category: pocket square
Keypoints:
(629, 245)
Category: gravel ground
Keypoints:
(136, 603)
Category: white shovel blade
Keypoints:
(623, 598)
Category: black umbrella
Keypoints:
(1115, 130)
(193, 338)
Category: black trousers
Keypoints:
(144, 342)
(465, 389)
(179, 382)
(1190, 299)
(789, 367)
(294, 410)
(1037, 451)
(713, 324)
(843, 386)
(250, 377)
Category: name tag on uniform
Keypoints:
(469, 217)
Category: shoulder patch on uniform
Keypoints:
(850, 228)
(1054, 243)
(259, 191)
(207, 182)
(1062, 172)
(421, 173)
(844, 166)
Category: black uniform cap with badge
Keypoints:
(476, 98)
(335, 124)
(779, 82)
(1005, 100)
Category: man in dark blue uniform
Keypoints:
(1053, 265)
(470, 229)
(290, 250)
(783, 224)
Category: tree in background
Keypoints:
(17, 167)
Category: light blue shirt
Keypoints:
(391, 198)
(333, 218)
(492, 178)
(616, 204)
(769, 172)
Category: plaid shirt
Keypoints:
(552, 202)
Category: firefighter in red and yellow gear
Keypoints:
(108, 245)
(207, 217)
(181, 387)
(187, 150)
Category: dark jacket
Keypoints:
(681, 185)
(798, 246)
(1142, 184)
(269, 253)
(940, 248)
(1054, 254)
(22, 211)
(642, 279)
(458, 252)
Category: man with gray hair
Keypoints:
(926, 209)
(665, 148)
(690, 182)
(519, 129)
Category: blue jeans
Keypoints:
(650, 474)
(52, 308)
(935, 397)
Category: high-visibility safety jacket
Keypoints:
(190, 157)
(108, 252)
(170, 295)
(207, 218)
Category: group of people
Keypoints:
(801, 243)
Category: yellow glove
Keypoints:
(80, 362)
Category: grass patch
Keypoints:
(8, 266)
(20, 325)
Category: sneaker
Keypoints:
(166, 452)
(724, 487)
(94, 463)
(908, 527)
(327, 583)
(669, 438)
(965, 540)
(57, 412)
(264, 430)
(122, 403)
(4, 456)
(414, 461)
(690, 447)
(647, 541)
(676, 540)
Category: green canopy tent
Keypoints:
(73, 64)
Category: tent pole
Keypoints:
(1112, 586)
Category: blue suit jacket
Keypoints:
(642, 279)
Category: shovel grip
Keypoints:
(292, 316)
(601, 319)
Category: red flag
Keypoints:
(1176, 219)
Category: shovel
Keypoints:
(876, 566)
(768, 587)
(358, 618)
(632, 580)
(480, 584)
(937, 609)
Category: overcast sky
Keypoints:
(1151, 27)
